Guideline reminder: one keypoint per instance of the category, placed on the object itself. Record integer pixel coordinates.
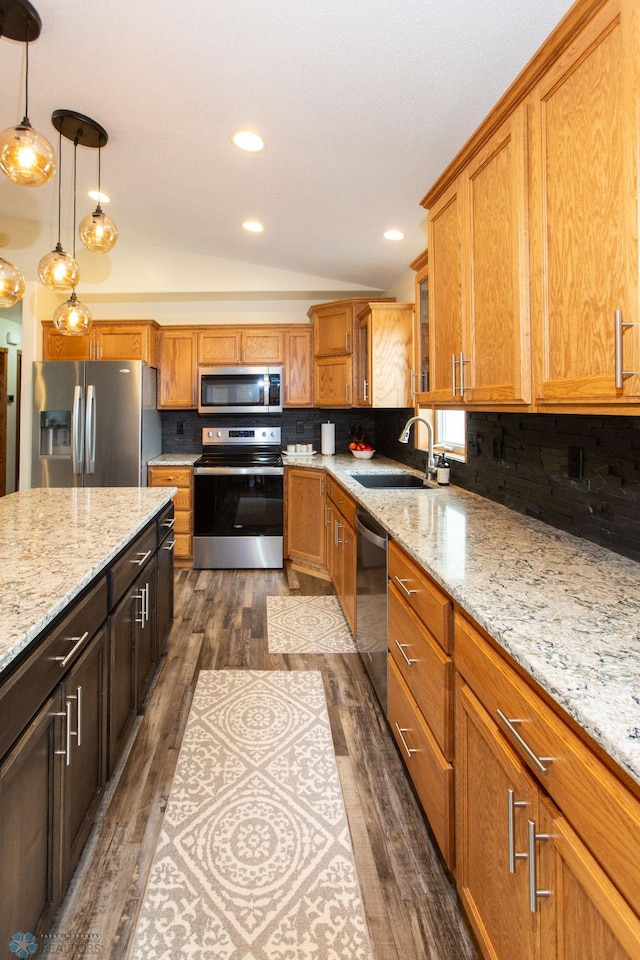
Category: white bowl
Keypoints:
(363, 454)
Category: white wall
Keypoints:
(169, 286)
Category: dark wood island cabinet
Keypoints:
(68, 697)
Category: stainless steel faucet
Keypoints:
(430, 468)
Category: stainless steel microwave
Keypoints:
(240, 390)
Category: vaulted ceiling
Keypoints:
(361, 103)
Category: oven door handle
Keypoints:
(239, 471)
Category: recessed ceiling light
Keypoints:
(248, 141)
(393, 235)
(99, 197)
(253, 226)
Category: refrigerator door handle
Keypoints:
(77, 436)
(90, 430)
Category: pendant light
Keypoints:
(11, 284)
(26, 157)
(72, 318)
(57, 270)
(98, 232)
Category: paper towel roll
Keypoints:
(328, 439)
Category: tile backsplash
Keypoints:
(578, 473)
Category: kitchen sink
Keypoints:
(389, 481)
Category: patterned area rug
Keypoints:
(307, 625)
(254, 861)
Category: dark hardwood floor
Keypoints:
(220, 622)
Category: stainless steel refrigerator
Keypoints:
(95, 423)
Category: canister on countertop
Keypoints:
(328, 431)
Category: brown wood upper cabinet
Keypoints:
(585, 145)
(533, 232)
(479, 344)
(107, 340)
(385, 355)
(335, 352)
(184, 349)
(226, 345)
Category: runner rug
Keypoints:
(254, 861)
(307, 625)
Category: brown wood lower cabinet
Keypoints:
(304, 505)
(547, 837)
(182, 478)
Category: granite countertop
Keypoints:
(53, 542)
(174, 460)
(566, 610)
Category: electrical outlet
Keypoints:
(299, 426)
(180, 428)
(496, 448)
(575, 463)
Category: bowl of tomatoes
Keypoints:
(362, 451)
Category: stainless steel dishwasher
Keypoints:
(371, 601)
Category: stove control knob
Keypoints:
(219, 433)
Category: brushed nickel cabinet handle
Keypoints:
(401, 731)
(401, 583)
(401, 647)
(512, 803)
(619, 353)
(142, 558)
(78, 643)
(534, 893)
(66, 753)
(538, 762)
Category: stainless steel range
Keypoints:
(238, 509)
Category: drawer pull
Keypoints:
(142, 558)
(538, 762)
(169, 523)
(401, 647)
(78, 643)
(401, 583)
(66, 753)
(78, 698)
(401, 731)
(534, 893)
(169, 545)
(512, 804)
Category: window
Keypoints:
(449, 432)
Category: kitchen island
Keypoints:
(53, 543)
(86, 602)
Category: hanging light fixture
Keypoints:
(57, 270)
(72, 318)
(98, 232)
(11, 284)
(26, 157)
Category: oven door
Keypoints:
(238, 518)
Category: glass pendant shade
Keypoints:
(71, 318)
(59, 271)
(11, 284)
(98, 232)
(26, 157)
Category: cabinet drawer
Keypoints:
(170, 476)
(127, 567)
(182, 499)
(599, 806)
(428, 601)
(22, 693)
(432, 776)
(426, 669)
(343, 502)
(183, 548)
(183, 521)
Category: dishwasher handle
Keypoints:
(369, 534)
